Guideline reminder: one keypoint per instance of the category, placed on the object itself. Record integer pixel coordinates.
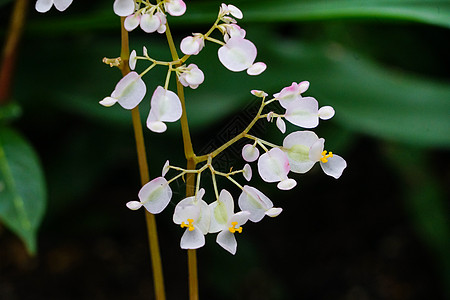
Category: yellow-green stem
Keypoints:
(155, 256)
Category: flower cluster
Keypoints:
(236, 53)
(299, 152)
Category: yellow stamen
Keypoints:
(190, 225)
(233, 229)
(326, 156)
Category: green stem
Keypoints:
(155, 256)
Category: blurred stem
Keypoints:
(11, 48)
(158, 279)
(191, 163)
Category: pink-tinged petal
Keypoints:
(62, 5)
(334, 166)
(303, 86)
(247, 172)
(315, 152)
(43, 6)
(256, 68)
(258, 93)
(273, 166)
(175, 7)
(255, 202)
(281, 125)
(326, 112)
(303, 112)
(132, 60)
(108, 101)
(250, 153)
(192, 239)
(297, 147)
(192, 45)
(123, 8)
(194, 76)
(288, 95)
(287, 184)
(150, 23)
(274, 212)
(237, 54)
(227, 241)
(134, 205)
(155, 195)
(130, 90)
(132, 21)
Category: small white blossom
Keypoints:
(191, 76)
(154, 196)
(273, 166)
(257, 204)
(129, 92)
(43, 6)
(165, 107)
(237, 54)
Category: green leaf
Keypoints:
(22, 187)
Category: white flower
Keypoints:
(192, 45)
(45, 5)
(305, 148)
(154, 196)
(191, 76)
(291, 93)
(273, 166)
(237, 54)
(175, 7)
(129, 92)
(193, 214)
(123, 8)
(250, 153)
(305, 112)
(224, 219)
(257, 204)
(165, 107)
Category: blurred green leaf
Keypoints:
(22, 187)
(10, 111)
(200, 12)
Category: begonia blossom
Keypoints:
(43, 6)
(305, 148)
(175, 7)
(273, 166)
(237, 54)
(250, 153)
(165, 107)
(224, 219)
(193, 214)
(291, 93)
(192, 45)
(129, 92)
(191, 76)
(231, 9)
(154, 196)
(257, 204)
(305, 112)
(124, 8)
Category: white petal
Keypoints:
(175, 7)
(134, 205)
(130, 90)
(150, 23)
(303, 86)
(255, 202)
(62, 5)
(204, 220)
(132, 60)
(123, 8)
(108, 101)
(166, 168)
(43, 6)
(192, 239)
(303, 112)
(240, 217)
(186, 209)
(235, 12)
(315, 152)
(156, 126)
(258, 93)
(132, 21)
(165, 106)
(237, 54)
(326, 112)
(247, 172)
(288, 95)
(155, 195)
(297, 147)
(256, 68)
(227, 241)
(273, 166)
(250, 153)
(221, 211)
(335, 166)
(195, 76)
(274, 212)
(287, 184)
(281, 125)
(191, 45)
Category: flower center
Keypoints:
(326, 156)
(190, 226)
(233, 229)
